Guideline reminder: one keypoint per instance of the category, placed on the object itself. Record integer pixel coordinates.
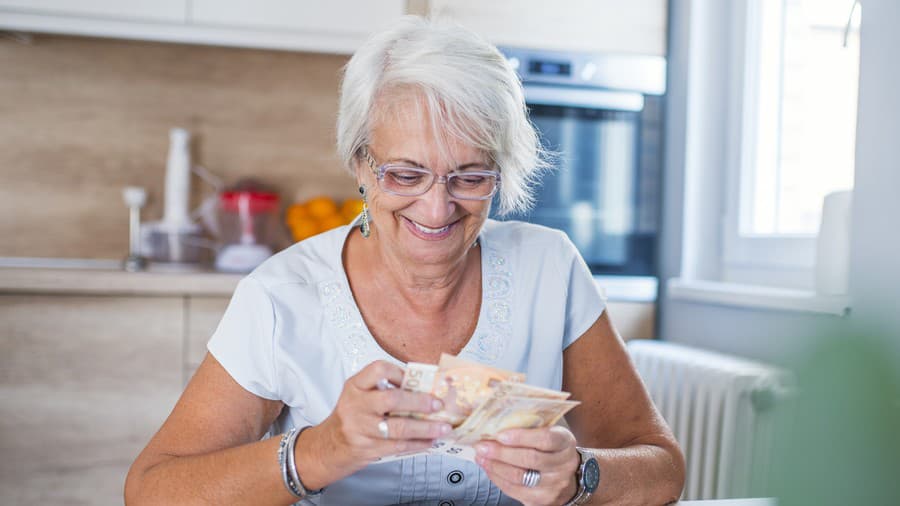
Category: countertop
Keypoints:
(100, 280)
(106, 277)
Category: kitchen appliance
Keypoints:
(602, 115)
(247, 222)
(135, 197)
(176, 242)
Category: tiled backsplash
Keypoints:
(80, 118)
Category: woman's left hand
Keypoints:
(550, 451)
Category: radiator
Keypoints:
(720, 409)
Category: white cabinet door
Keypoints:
(144, 10)
(617, 26)
(332, 26)
(333, 16)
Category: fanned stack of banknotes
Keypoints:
(479, 402)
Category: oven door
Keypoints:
(597, 192)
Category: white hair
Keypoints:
(469, 89)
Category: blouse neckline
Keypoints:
(368, 333)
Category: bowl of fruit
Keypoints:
(319, 214)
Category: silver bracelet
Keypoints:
(292, 466)
(288, 465)
(283, 462)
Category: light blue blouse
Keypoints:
(293, 333)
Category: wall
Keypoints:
(875, 253)
(80, 118)
(874, 271)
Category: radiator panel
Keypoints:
(707, 399)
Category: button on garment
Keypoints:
(447, 503)
(455, 477)
(446, 478)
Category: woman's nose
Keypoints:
(438, 202)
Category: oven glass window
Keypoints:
(599, 194)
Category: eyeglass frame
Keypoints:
(379, 170)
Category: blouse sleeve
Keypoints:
(584, 300)
(244, 340)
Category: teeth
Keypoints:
(431, 230)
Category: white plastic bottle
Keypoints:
(178, 181)
(833, 245)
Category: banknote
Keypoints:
(511, 412)
(479, 402)
(497, 414)
(461, 384)
(526, 390)
(528, 407)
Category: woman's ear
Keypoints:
(358, 163)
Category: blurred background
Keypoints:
(728, 170)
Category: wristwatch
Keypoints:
(587, 476)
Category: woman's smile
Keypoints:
(429, 233)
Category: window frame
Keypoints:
(784, 260)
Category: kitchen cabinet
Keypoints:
(86, 380)
(91, 363)
(332, 18)
(337, 26)
(203, 314)
(172, 11)
(340, 26)
(636, 26)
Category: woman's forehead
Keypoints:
(409, 131)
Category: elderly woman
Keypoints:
(433, 126)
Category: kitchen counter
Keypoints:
(631, 300)
(110, 281)
(87, 276)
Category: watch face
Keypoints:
(591, 476)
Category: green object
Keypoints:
(837, 442)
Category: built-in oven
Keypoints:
(602, 117)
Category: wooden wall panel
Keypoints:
(80, 118)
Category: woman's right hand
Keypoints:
(352, 428)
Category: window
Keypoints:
(796, 81)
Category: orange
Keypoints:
(351, 208)
(333, 221)
(295, 213)
(321, 207)
(305, 227)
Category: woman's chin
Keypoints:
(432, 254)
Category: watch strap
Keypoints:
(582, 495)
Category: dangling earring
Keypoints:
(364, 219)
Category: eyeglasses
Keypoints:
(411, 181)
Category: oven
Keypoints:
(602, 117)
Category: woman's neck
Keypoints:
(426, 288)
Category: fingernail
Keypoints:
(436, 405)
(504, 438)
(481, 449)
(446, 428)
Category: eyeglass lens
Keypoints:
(412, 181)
